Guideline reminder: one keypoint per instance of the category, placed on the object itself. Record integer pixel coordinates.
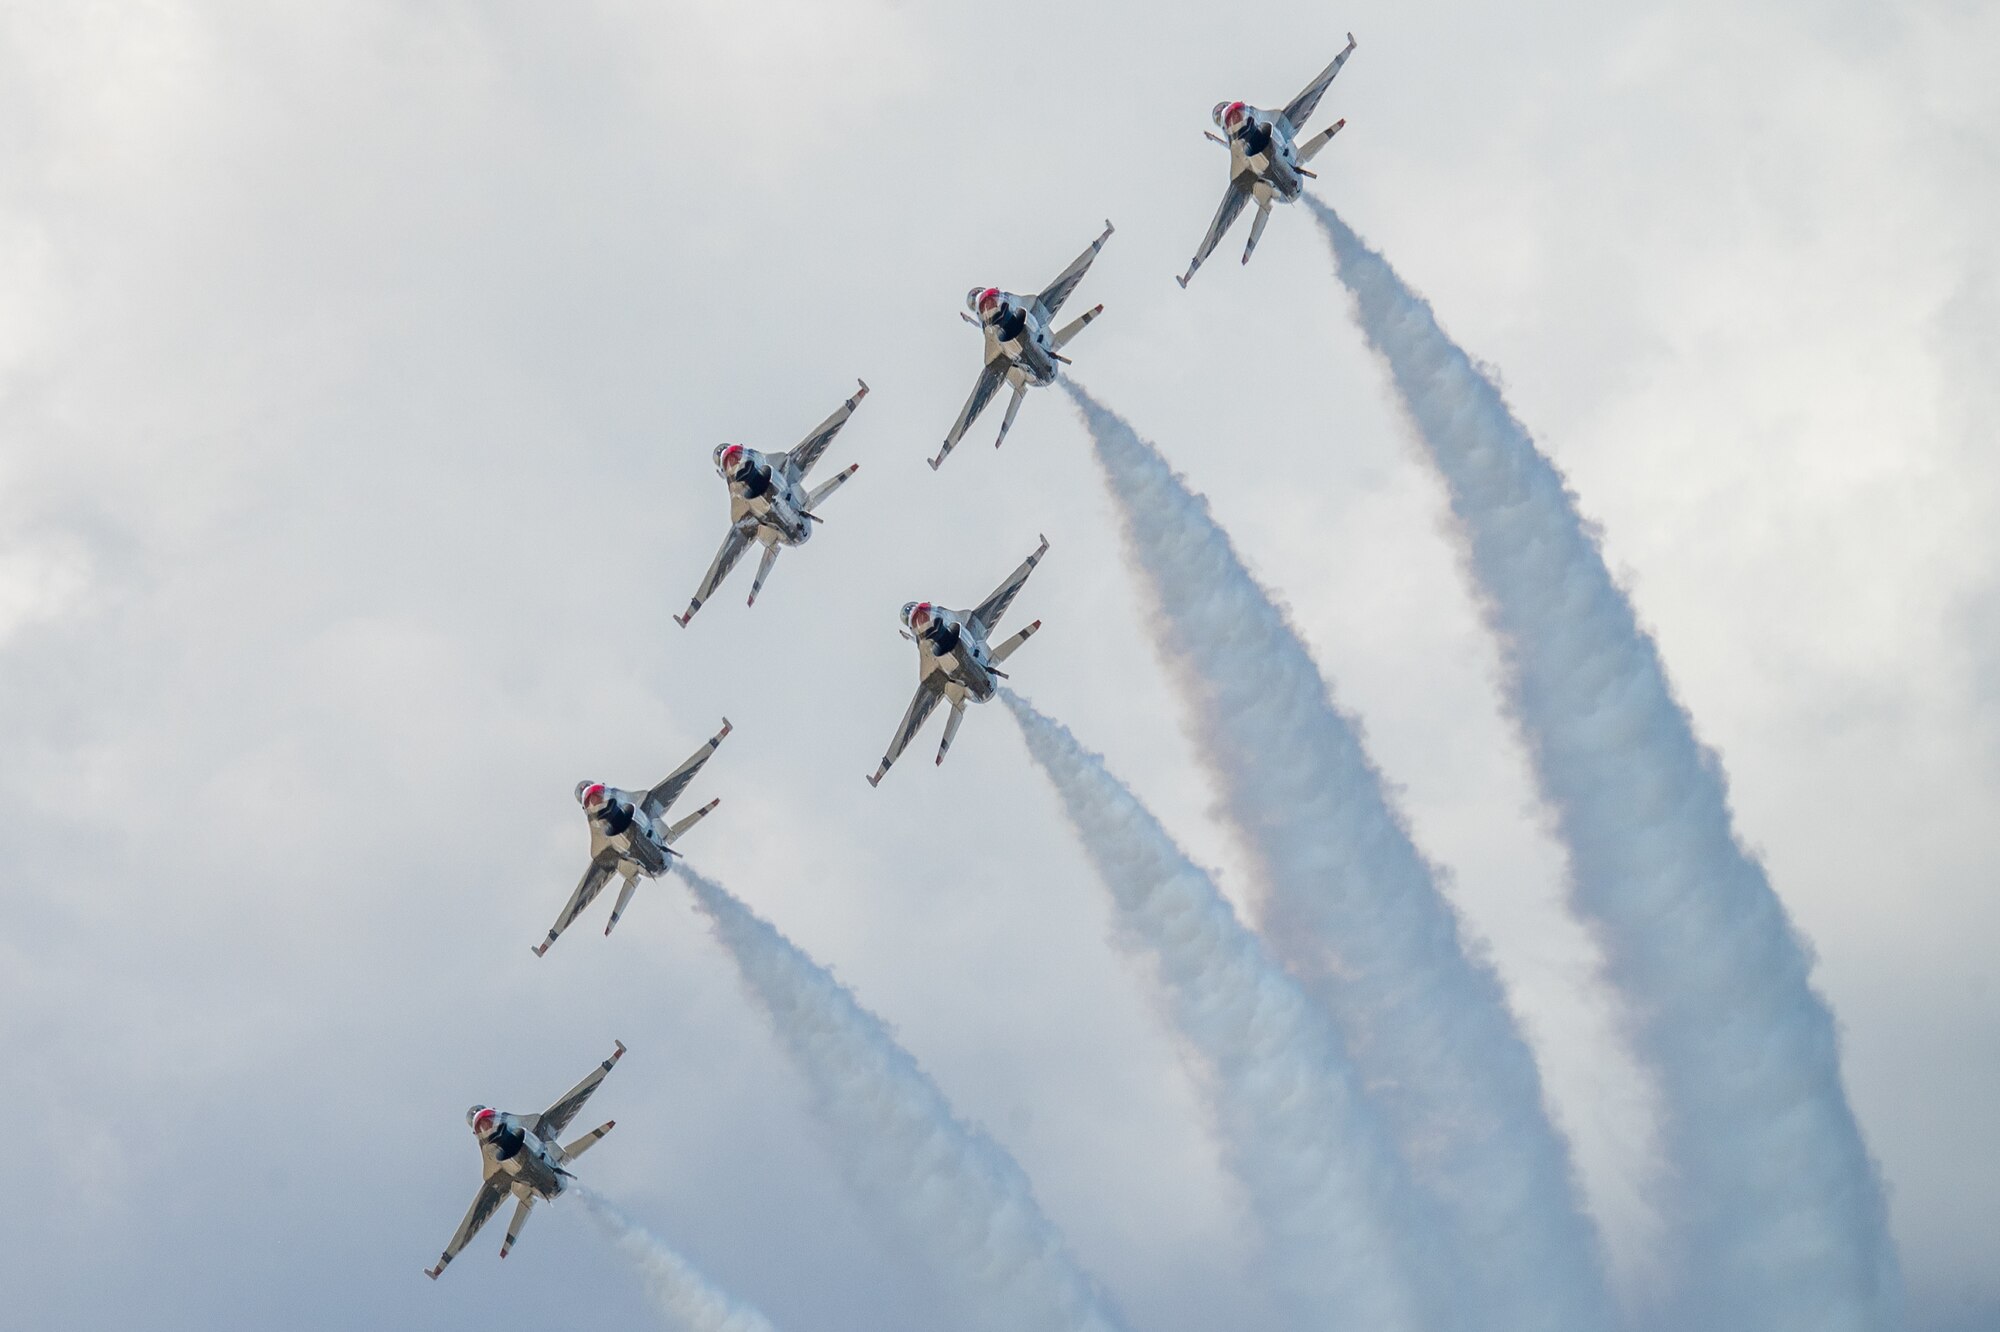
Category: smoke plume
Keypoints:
(1322, 1173)
(1776, 1206)
(682, 1295)
(1354, 909)
(953, 1194)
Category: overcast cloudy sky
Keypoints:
(359, 370)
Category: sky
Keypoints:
(360, 368)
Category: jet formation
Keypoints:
(771, 504)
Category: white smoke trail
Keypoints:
(1776, 1203)
(1322, 1172)
(956, 1195)
(1354, 909)
(683, 1295)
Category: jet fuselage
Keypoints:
(762, 491)
(1015, 328)
(950, 645)
(512, 1148)
(619, 822)
(1261, 143)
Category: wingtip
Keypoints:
(433, 1272)
(1183, 281)
(727, 727)
(935, 461)
(1108, 228)
(617, 1048)
(875, 779)
(681, 620)
(939, 762)
(863, 391)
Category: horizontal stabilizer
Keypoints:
(821, 492)
(1006, 649)
(674, 832)
(1013, 409)
(1257, 230)
(1076, 325)
(587, 1141)
(950, 730)
(1319, 141)
(763, 571)
(521, 1210)
(624, 900)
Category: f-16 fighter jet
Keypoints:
(1020, 349)
(521, 1158)
(954, 662)
(630, 835)
(768, 501)
(1266, 161)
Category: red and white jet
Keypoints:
(1020, 349)
(954, 662)
(521, 1159)
(629, 834)
(769, 502)
(1266, 161)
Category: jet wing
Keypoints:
(661, 798)
(484, 1204)
(556, 1118)
(602, 866)
(989, 611)
(983, 390)
(1233, 200)
(1051, 297)
(733, 546)
(928, 694)
(800, 458)
(1300, 108)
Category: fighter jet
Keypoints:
(1020, 349)
(629, 835)
(1266, 161)
(521, 1158)
(768, 501)
(954, 662)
